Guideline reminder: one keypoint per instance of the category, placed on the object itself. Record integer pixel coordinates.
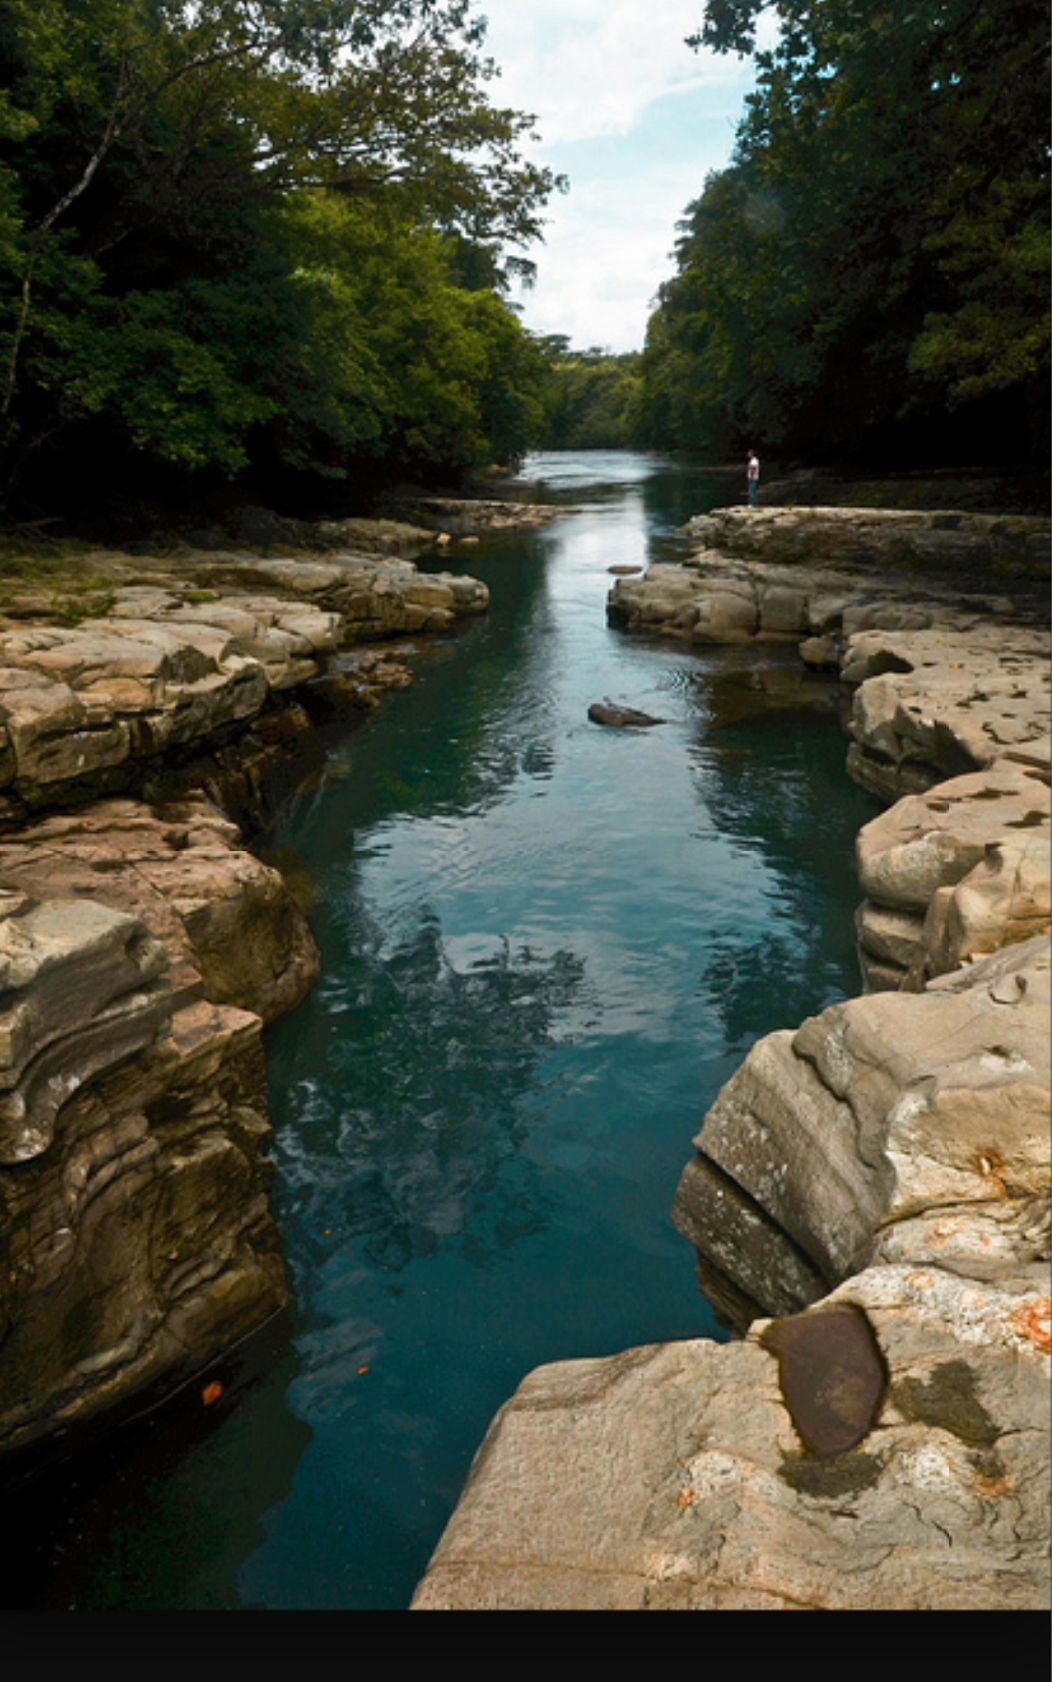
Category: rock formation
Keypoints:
(672, 1477)
(690, 1476)
(932, 704)
(455, 516)
(137, 1239)
(953, 542)
(180, 659)
(953, 874)
(143, 949)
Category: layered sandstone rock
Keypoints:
(714, 598)
(138, 1245)
(957, 543)
(141, 952)
(230, 929)
(889, 1109)
(177, 663)
(374, 597)
(455, 516)
(933, 704)
(674, 1477)
(953, 874)
(142, 949)
(896, 1148)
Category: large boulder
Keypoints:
(231, 930)
(953, 874)
(887, 1110)
(885, 1447)
(683, 1476)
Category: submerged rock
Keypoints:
(620, 718)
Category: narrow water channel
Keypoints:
(545, 946)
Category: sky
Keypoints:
(636, 120)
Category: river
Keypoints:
(545, 946)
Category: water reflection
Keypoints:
(125, 1527)
(404, 1123)
(773, 778)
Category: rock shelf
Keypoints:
(181, 657)
(143, 948)
(890, 1157)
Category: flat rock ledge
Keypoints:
(142, 950)
(714, 599)
(936, 703)
(958, 543)
(183, 656)
(459, 517)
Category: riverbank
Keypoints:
(146, 702)
(868, 1197)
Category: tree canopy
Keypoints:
(869, 275)
(233, 229)
(591, 397)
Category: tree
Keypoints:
(592, 398)
(873, 264)
(149, 151)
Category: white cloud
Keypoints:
(637, 120)
(590, 67)
(601, 264)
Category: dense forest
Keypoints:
(257, 240)
(867, 281)
(269, 244)
(591, 397)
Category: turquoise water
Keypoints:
(545, 945)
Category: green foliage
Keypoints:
(876, 255)
(398, 360)
(592, 400)
(235, 225)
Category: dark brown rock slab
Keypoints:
(832, 1375)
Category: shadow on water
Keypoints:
(771, 776)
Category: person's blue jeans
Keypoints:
(754, 493)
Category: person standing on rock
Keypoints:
(752, 478)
